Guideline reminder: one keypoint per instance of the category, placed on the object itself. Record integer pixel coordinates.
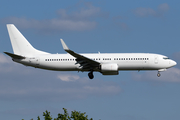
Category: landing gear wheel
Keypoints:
(158, 74)
(90, 74)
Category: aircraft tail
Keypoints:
(19, 43)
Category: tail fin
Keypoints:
(19, 43)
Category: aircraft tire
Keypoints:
(158, 74)
(90, 74)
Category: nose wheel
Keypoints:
(158, 74)
(90, 74)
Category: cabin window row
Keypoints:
(95, 58)
(74, 59)
(131, 58)
(67, 59)
(59, 59)
(99, 59)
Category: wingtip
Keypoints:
(64, 45)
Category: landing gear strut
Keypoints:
(158, 74)
(90, 74)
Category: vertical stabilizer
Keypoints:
(19, 43)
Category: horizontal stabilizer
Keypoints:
(14, 56)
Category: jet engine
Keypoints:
(109, 69)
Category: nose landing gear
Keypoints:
(158, 74)
(90, 74)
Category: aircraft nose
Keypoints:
(173, 63)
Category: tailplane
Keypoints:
(19, 43)
(14, 56)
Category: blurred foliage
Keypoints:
(75, 115)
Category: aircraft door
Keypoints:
(37, 61)
(156, 59)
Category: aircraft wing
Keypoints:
(86, 63)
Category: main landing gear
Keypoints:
(90, 74)
(158, 74)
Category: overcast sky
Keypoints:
(125, 26)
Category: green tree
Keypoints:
(64, 116)
(38, 118)
(75, 115)
(78, 115)
(47, 115)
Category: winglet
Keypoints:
(64, 45)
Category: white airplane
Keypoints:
(105, 63)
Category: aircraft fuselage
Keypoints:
(125, 61)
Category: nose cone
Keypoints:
(173, 63)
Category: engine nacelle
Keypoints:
(109, 69)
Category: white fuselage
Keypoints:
(125, 61)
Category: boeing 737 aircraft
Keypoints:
(105, 63)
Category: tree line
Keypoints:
(75, 115)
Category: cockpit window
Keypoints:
(165, 58)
